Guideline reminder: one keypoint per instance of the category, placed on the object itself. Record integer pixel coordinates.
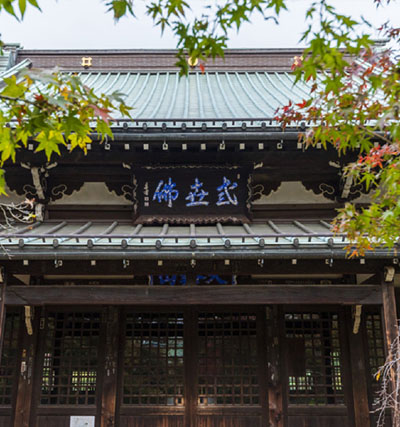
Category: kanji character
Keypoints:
(196, 197)
(166, 192)
(224, 196)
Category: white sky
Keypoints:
(81, 24)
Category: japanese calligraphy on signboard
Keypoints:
(192, 194)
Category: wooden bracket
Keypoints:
(357, 318)
(28, 319)
(389, 273)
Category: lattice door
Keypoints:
(231, 388)
(70, 363)
(186, 368)
(153, 376)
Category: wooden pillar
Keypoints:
(109, 374)
(3, 285)
(262, 366)
(23, 406)
(390, 332)
(358, 370)
(190, 357)
(389, 312)
(275, 384)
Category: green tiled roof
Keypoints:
(212, 95)
(7, 72)
(5, 60)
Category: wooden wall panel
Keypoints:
(228, 421)
(5, 421)
(317, 421)
(53, 421)
(151, 421)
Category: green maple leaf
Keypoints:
(49, 142)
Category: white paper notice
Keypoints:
(81, 421)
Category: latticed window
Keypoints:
(227, 366)
(313, 358)
(376, 350)
(9, 357)
(70, 359)
(153, 368)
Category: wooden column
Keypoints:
(109, 374)
(190, 357)
(389, 313)
(275, 383)
(23, 406)
(262, 366)
(358, 370)
(3, 285)
(390, 332)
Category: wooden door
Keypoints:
(68, 366)
(317, 377)
(193, 368)
(231, 361)
(152, 370)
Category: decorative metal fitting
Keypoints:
(86, 61)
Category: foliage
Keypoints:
(51, 110)
(354, 103)
(354, 106)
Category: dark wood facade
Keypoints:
(179, 366)
(120, 308)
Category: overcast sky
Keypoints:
(75, 24)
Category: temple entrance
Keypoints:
(182, 367)
(173, 368)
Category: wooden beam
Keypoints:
(110, 363)
(358, 373)
(194, 295)
(3, 285)
(242, 267)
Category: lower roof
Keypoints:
(116, 240)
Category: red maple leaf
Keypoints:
(103, 113)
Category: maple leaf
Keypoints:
(302, 104)
(354, 253)
(103, 113)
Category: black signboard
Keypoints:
(191, 194)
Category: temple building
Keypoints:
(185, 274)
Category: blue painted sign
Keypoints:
(191, 194)
(181, 279)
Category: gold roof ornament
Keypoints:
(193, 62)
(86, 61)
